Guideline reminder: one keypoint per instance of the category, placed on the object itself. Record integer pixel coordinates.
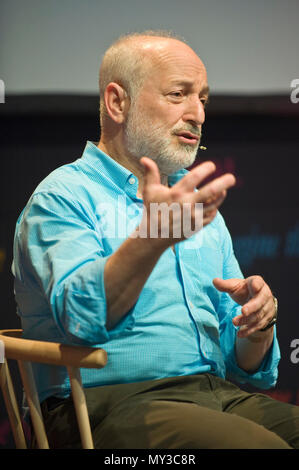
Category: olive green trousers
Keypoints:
(186, 412)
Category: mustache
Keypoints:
(193, 130)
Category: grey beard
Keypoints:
(160, 150)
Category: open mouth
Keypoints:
(188, 138)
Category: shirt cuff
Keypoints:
(265, 376)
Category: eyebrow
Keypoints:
(204, 91)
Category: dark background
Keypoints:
(256, 138)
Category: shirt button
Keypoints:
(132, 180)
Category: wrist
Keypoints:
(261, 336)
(147, 244)
(156, 244)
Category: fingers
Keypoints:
(214, 203)
(212, 193)
(255, 284)
(256, 313)
(256, 321)
(210, 210)
(195, 177)
(212, 190)
(229, 285)
(151, 175)
(209, 217)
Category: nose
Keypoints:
(195, 111)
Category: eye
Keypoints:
(176, 94)
(204, 101)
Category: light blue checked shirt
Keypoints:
(180, 325)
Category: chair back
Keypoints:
(26, 351)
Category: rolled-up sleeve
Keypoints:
(266, 375)
(62, 256)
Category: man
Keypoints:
(174, 313)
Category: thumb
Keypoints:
(227, 285)
(151, 171)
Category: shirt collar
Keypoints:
(121, 176)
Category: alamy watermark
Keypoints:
(295, 353)
(1, 352)
(2, 92)
(159, 220)
(295, 92)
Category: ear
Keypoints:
(116, 101)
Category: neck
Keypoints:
(121, 156)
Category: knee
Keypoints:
(293, 439)
(163, 424)
(191, 426)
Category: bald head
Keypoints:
(128, 61)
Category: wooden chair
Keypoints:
(26, 351)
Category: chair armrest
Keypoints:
(51, 353)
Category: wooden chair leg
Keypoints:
(33, 403)
(12, 406)
(80, 407)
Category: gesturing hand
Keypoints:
(256, 298)
(211, 194)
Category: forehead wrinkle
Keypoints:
(171, 72)
(179, 70)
